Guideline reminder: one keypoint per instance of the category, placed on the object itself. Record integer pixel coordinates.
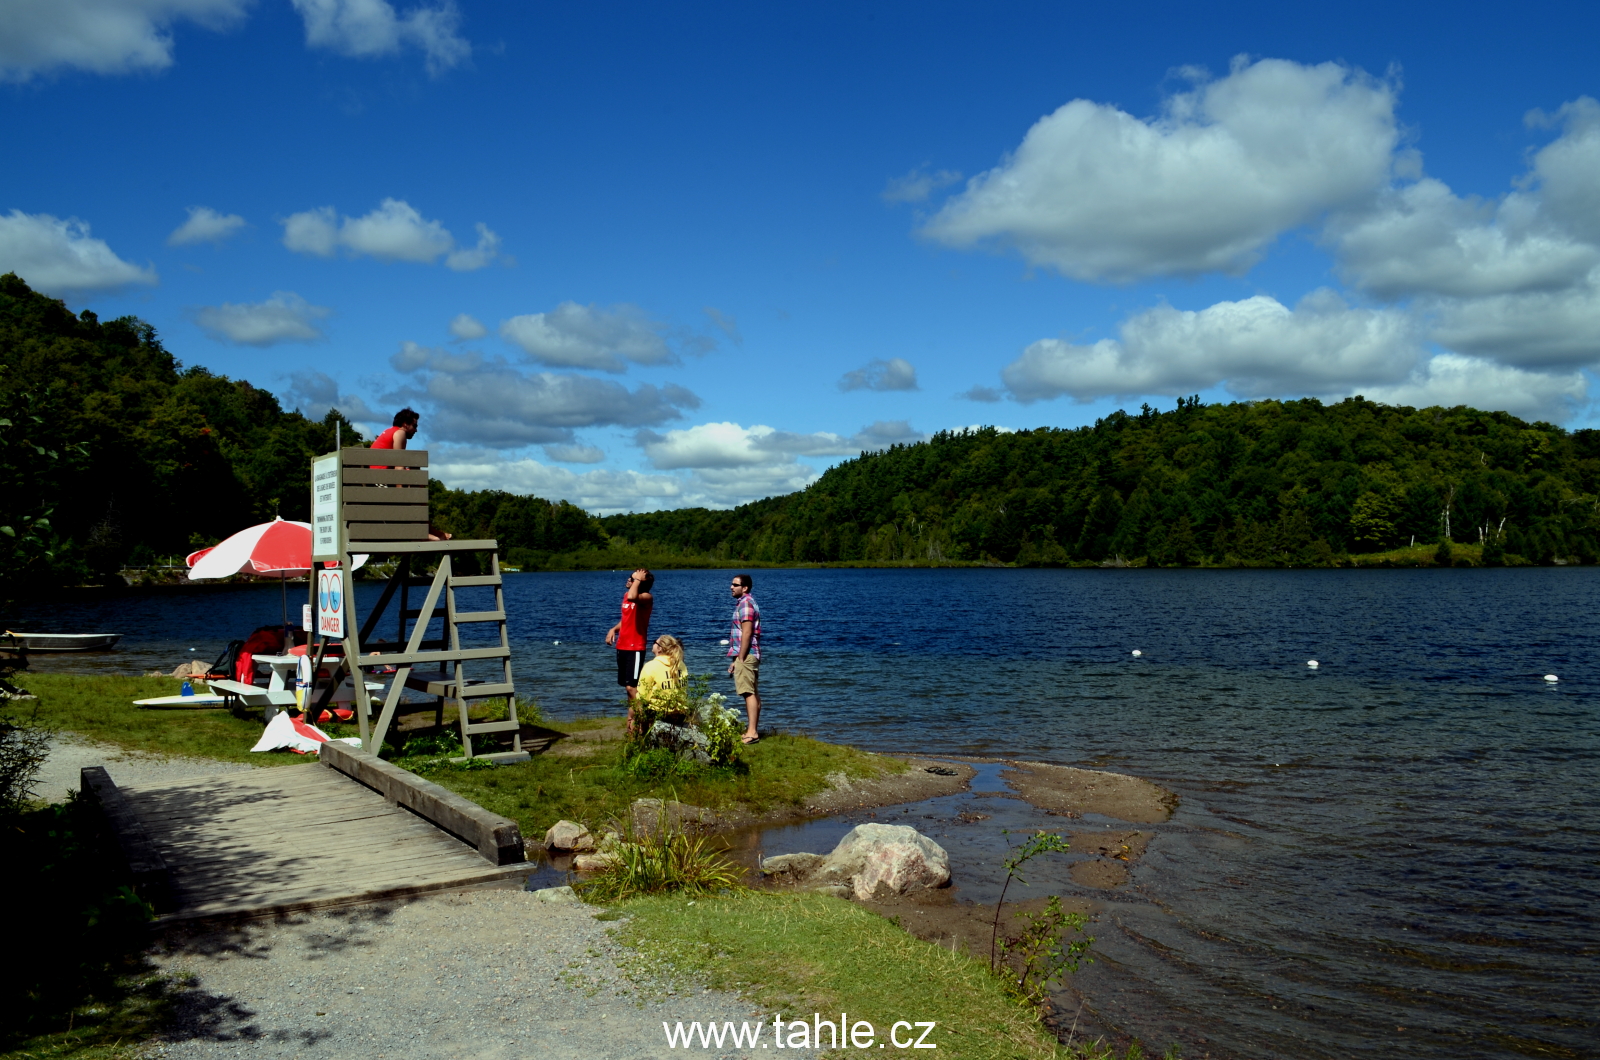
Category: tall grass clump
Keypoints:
(667, 857)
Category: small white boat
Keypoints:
(198, 701)
(66, 641)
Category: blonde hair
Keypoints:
(672, 648)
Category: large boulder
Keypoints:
(886, 858)
(568, 835)
(681, 740)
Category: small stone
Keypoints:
(556, 895)
(568, 835)
(793, 864)
(592, 862)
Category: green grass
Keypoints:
(799, 954)
(779, 771)
(782, 770)
(101, 708)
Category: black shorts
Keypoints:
(629, 663)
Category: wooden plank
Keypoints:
(383, 457)
(457, 545)
(433, 657)
(389, 531)
(486, 691)
(480, 616)
(473, 728)
(151, 879)
(467, 581)
(375, 476)
(225, 912)
(497, 838)
(386, 513)
(383, 495)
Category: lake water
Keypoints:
(1400, 849)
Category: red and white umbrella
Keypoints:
(279, 549)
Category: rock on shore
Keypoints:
(872, 860)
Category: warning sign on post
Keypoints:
(330, 603)
(325, 494)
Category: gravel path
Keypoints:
(69, 754)
(486, 974)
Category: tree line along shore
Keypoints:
(107, 436)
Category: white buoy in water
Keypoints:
(1136, 651)
(723, 643)
(1313, 663)
(555, 642)
(1551, 677)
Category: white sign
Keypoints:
(325, 507)
(305, 617)
(330, 603)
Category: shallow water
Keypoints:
(1403, 838)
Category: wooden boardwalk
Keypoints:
(293, 838)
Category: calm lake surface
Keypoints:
(1399, 850)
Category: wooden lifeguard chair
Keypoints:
(374, 502)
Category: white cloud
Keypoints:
(986, 394)
(1102, 195)
(58, 257)
(395, 231)
(576, 336)
(725, 323)
(893, 374)
(713, 446)
(1533, 329)
(100, 36)
(1256, 347)
(603, 492)
(205, 225)
(917, 185)
(314, 393)
(467, 327)
(1568, 170)
(1450, 379)
(575, 454)
(1423, 239)
(365, 29)
(496, 405)
(285, 317)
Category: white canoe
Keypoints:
(197, 701)
(67, 641)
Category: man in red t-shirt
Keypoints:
(632, 633)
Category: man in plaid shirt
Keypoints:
(744, 647)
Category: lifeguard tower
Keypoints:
(374, 502)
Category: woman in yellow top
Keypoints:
(665, 672)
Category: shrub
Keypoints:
(24, 745)
(664, 858)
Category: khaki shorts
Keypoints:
(746, 675)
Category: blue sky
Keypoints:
(641, 257)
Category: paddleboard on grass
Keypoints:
(194, 702)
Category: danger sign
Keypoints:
(330, 603)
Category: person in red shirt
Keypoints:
(632, 633)
(404, 429)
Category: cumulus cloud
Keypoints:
(314, 393)
(1225, 168)
(395, 231)
(603, 492)
(496, 405)
(917, 185)
(100, 36)
(1532, 329)
(60, 257)
(1256, 347)
(366, 29)
(894, 374)
(576, 336)
(467, 327)
(205, 225)
(987, 394)
(726, 324)
(1451, 379)
(285, 317)
(712, 446)
(575, 454)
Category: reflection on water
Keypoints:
(1405, 837)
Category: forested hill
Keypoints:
(1294, 482)
(112, 452)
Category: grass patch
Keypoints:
(799, 954)
(88, 992)
(594, 786)
(101, 708)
